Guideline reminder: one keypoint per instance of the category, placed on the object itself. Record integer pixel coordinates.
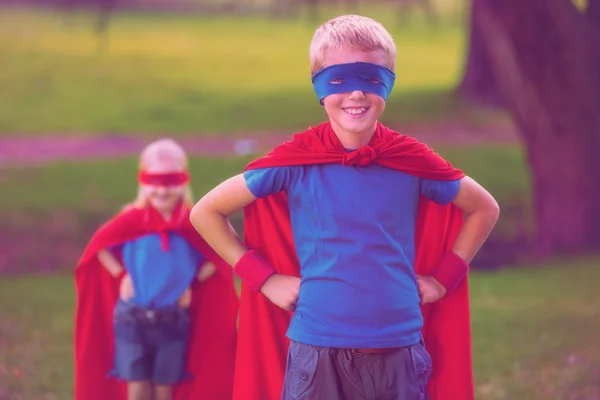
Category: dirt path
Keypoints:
(15, 150)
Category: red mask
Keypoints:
(168, 179)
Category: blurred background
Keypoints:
(507, 90)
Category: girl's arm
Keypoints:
(114, 267)
(109, 261)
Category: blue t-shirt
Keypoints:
(354, 233)
(160, 277)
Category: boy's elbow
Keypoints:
(196, 215)
(493, 210)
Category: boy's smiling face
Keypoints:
(354, 113)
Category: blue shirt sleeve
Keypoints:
(440, 192)
(267, 181)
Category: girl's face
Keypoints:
(163, 198)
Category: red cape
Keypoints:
(214, 311)
(262, 344)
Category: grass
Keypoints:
(96, 186)
(72, 198)
(36, 332)
(181, 74)
(102, 186)
(59, 205)
(534, 334)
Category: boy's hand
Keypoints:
(126, 289)
(430, 290)
(207, 270)
(282, 290)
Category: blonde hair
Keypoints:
(355, 31)
(169, 152)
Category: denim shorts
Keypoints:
(150, 345)
(323, 373)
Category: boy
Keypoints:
(352, 227)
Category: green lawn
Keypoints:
(534, 334)
(96, 186)
(101, 185)
(76, 196)
(211, 75)
(59, 205)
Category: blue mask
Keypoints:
(367, 77)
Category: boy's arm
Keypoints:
(109, 261)
(481, 211)
(209, 217)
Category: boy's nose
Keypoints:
(357, 94)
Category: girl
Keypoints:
(155, 263)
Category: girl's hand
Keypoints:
(186, 299)
(126, 289)
(207, 270)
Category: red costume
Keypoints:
(262, 344)
(213, 314)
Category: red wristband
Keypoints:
(253, 270)
(450, 271)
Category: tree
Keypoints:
(105, 12)
(106, 9)
(479, 84)
(545, 56)
(593, 11)
(313, 7)
(405, 6)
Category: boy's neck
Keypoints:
(350, 140)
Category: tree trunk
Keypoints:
(105, 11)
(351, 5)
(313, 7)
(479, 83)
(282, 8)
(406, 6)
(545, 55)
(593, 15)
(593, 12)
